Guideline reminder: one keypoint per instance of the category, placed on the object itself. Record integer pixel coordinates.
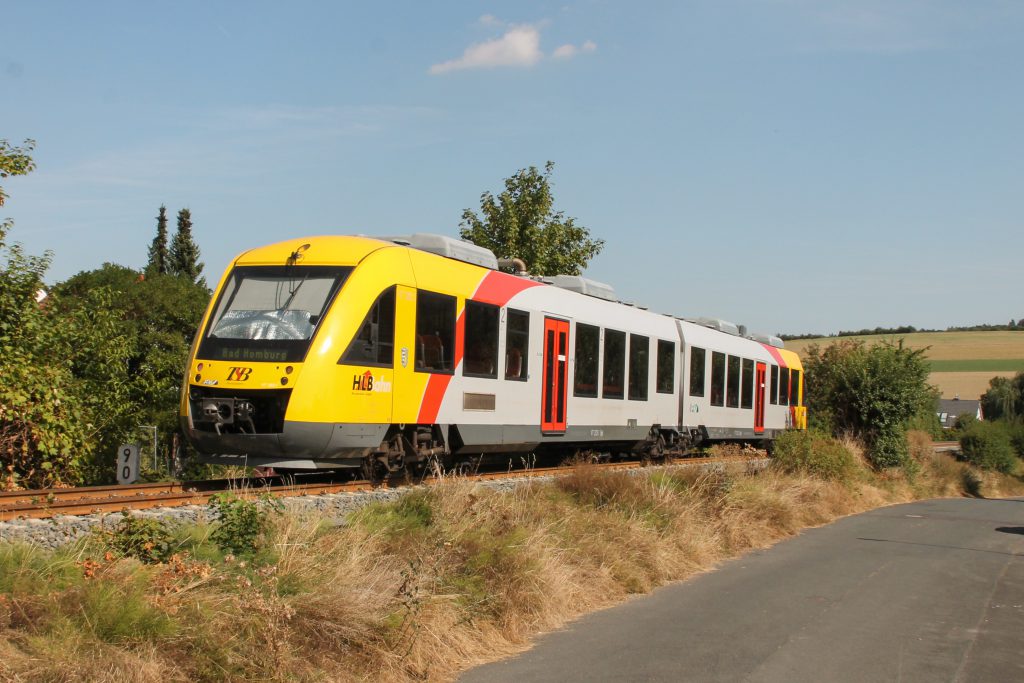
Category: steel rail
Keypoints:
(44, 503)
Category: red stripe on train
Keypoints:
(496, 288)
(437, 385)
(775, 354)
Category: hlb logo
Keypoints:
(366, 382)
(239, 374)
(363, 382)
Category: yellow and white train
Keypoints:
(386, 353)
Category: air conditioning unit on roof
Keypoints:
(575, 283)
(449, 247)
(718, 324)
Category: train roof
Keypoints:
(344, 250)
(351, 249)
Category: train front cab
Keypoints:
(379, 352)
(279, 374)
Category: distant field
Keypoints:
(978, 365)
(962, 363)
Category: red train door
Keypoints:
(759, 398)
(556, 359)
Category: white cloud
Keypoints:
(520, 46)
(490, 20)
(569, 51)
(564, 52)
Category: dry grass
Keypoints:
(419, 589)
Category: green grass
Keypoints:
(978, 365)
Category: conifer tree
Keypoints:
(184, 252)
(158, 257)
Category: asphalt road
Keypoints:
(928, 591)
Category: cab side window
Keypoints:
(435, 332)
(374, 343)
(783, 386)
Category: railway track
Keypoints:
(87, 500)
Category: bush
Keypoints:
(1017, 438)
(871, 392)
(147, 540)
(988, 446)
(815, 454)
(241, 522)
(890, 448)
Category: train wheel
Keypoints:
(373, 470)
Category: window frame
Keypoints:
(721, 401)
(773, 390)
(733, 380)
(524, 370)
(643, 351)
(345, 360)
(746, 384)
(576, 361)
(605, 365)
(416, 330)
(784, 384)
(489, 308)
(703, 365)
(670, 356)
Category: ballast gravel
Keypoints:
(61, 530)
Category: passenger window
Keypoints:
(795, 389)
(732, 394)
(588, 348)
(517, 342)
(783, 386)
(747, 384)
(435, 332)
(666, 375)
(639, 366)
(614, 364)
(374, 343)
(717, 378)
(481, 358)
(773, 392)
(698, 368)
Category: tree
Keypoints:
(871, 392)
(158, 256)
(15, 161)
(184, 253)
(158, 316)
(522, 223)
(1004, 399)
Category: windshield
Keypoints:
(269, 313)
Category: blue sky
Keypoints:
(794, 165)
